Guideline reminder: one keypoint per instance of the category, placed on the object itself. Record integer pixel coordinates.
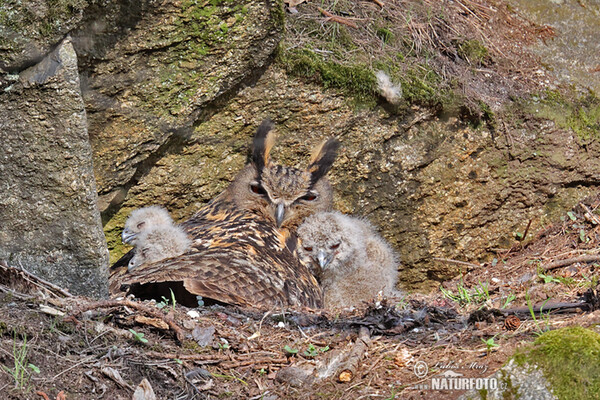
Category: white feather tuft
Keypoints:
(392, 93)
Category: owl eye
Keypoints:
(308, 248)
(256, 188)
(311, 196)
(141, 224)
(334, 246)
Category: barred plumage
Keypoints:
(243, 241)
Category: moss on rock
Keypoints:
(570, 360)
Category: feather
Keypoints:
(264, 139)
(322, 159)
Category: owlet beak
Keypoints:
(323, 258)
(128, 236)
(279, 214)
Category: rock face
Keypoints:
(434, 187)
(30, 29)
(153, 69)
(50, 223)
(173, 90)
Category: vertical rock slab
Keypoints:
(49, 220)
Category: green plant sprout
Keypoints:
(490, 343)
(19, 371)
(138, 336)
(290, 350)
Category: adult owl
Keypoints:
(243, 248)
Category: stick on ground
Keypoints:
(349, 368)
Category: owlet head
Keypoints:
(284, 195)
(144, 219)
(326, 242)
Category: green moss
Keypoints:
(385, 34)
(357, 80)
(472, 51)
(580, 114)
(570, 360)
(112, 232)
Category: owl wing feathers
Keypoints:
(235, 258)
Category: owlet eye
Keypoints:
(334, 246)
(256, 188)
(311, 196)
(141, 224)
(308, 248)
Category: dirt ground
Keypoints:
(52, 343)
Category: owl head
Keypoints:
(144, 219)
(329, 242)
(284, 195)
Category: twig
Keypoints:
(36, 280)
(555, 307)
(379, 360)
(379, 3)
(589, 215)
(189, 357)
(348, 370)
(561, 263)
(468, 264)
(526, 230)
(337, 18)
(135, 305)
(243, 363)
(16, 294)
(88, 359)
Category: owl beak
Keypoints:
(128, 236)
(279, 214)
(323, 258)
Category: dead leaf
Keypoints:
(144, 391)
(155, 322)
(115, 376)
(203, 336)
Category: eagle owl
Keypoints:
(353, 262)
(243, 247)
(155, 237)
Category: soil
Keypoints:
(102, 350)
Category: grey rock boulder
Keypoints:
(49, 221)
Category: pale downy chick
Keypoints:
(143, 219)
(158, 243)
(352, 260)
(392, 93)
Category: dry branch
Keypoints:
(337, 18)
(448, 260)
(550, 307)
(569, 261)
(33, 279)
(137, 306)
(349, 368)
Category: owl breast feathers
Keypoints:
(243, 242)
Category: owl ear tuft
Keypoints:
(264, 139)
(322, 159)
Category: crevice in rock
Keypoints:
(179, 137)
